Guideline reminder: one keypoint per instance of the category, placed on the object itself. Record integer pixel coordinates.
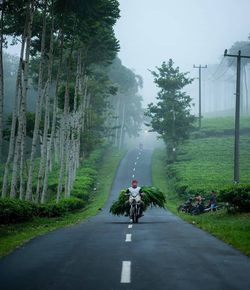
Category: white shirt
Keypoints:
(134, 191)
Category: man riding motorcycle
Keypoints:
(134, 192)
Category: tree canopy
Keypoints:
(170, 116)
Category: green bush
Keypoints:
(71, 204)
(86, 179)
(237, 197)
(184, 191)
(14, 210)
(50, 210)
(83, 187)
(61, 208)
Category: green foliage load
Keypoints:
(15, 211)
(237, 197)
(153, 197)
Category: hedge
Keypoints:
(237, 197)
(15, 211)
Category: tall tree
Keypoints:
(41, 92)
(170, 116)
(1, 78)
(11, 29)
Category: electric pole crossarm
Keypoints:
(236, 55)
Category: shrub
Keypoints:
(71, 204)
(181, 189)
(237, 197)
(14, 210)
(50, 210)
(83, 187)
(61, 208)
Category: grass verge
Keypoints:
(15, 235)
(234, 229)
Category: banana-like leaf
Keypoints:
(152, 197)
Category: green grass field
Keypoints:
(14, 235)
(224, 123)
(207, 163)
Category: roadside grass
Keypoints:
(233, 229)
(207, 163)
(224, 123)
(15, 235)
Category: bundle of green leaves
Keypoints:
(153, 197)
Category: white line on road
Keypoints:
(133, 176)
(130, 226)
(126, 272)
(128, 238)
(133, 169)
(137, 157)
(135, 163)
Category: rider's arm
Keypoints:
(141, 192)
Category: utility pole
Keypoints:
(237, 116)
(199, 67)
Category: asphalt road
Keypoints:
(107, 253)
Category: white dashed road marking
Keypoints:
(128, 238)
(130, 226)
(126, 272)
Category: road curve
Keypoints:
(107, 253)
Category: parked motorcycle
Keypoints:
(186, 207)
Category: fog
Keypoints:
(190, 32)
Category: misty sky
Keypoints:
(188, 31)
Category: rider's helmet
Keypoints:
(134, 183)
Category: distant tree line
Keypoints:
(83, 94)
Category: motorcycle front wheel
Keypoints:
(133, 214)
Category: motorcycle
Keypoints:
(186, 207)
(135, 208)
